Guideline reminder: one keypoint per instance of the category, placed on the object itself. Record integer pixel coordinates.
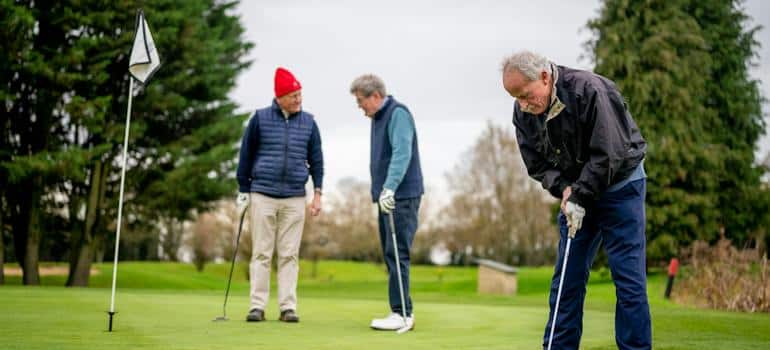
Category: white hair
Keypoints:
(367, 84)
(528, 63)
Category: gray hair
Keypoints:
(528, 63)
(368, 84)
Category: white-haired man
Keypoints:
(577, 138)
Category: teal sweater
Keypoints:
(401, 134)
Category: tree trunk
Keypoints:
(84, 246)
(32, 246)
(171, 240)
(19, 222)
(99, 247)
(2, 246)
(100, 233)
(82, 271)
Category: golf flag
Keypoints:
(144, 58)
(143, 63)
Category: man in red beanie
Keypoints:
(280, 148)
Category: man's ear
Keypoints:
(544, 77)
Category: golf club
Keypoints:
(398, 273)
(232, 265)
(558, 294)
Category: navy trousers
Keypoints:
(405, 219)
(616, 222)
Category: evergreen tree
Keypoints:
(70, 100)
(736, 100)
(681, 64)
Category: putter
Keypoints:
(561, 283)
(232, 265)
(398, 273)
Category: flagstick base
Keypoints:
(111, 313)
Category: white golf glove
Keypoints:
(387, 201)
(242, 201)
(574, 213)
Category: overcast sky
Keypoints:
(440, 58)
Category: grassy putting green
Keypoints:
(170, 306)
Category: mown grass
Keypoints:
(170, 306)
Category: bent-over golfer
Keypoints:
(577, 138)
(397, 187)
(280, 148)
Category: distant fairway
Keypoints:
(170, 306)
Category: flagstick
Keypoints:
(120, 203)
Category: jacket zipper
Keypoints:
(285, 153)
(550, 144)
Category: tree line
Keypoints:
(682, 66)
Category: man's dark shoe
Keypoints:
(289, 316)
(255, 315)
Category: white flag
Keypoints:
(144, 58)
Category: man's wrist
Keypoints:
(318, 191)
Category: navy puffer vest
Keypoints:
(280, 168)
(381, 151)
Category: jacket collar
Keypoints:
(556, 105)
(385, 105)
(277, 109)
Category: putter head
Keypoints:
(406, 328)
(219, 319)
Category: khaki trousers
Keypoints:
(276, 225)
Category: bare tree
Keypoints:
(206, 232)
(316, 243)
(211, 237)
(496, 210)
(347, 229)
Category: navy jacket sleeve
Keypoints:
(537, 166)
(316, 157)
(249, 144)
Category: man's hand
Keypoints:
(315, 208)
(242, 201)
(387, 201)
(574, 213)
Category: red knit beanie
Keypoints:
(285, 82)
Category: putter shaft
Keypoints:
(232, 266)
(558, 294)
(398, 272)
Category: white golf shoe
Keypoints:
(393, 322)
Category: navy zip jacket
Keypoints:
(278, 154)
(587, 139)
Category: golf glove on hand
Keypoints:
(387, 201)
(574, 213)
(242, 201)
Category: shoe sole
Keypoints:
(392, 330)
